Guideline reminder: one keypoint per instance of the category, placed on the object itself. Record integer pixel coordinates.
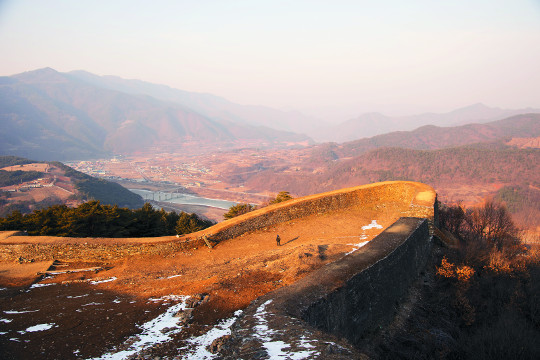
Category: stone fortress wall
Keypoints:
(331, 311)
(326, 313)
(412, 198)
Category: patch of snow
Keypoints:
(357, 246)
(15, 339)
(3, 332)
(155, 331)
(168, 298)
(39, 327)
(33, 286)
(117, 301)
(305, 343)
(173, 276)
(275, 348)
(19, 312)
(92, 303)
(75, 297)
(3, 289)
(373, 225)
(6, 321)
(201, 342)
(103, 281)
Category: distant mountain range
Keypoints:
(211, 106)
(372, 124)
(439, 156)
(432, 137)
(365, 125)
(522, 128)
(49, 115)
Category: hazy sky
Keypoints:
(413, 55)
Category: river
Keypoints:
(178, 198)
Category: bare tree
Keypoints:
(491, 222)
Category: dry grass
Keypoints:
(28, 167)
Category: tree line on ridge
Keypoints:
(93, 219)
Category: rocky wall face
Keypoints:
(329, 311)
(368, 300)
(285, 214)
(89, 252)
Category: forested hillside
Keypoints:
(14, 177)
(60, 184)
(469, 164)
(488, 163)
(107, 192)
(487, 167)
(96, 220)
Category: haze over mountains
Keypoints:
(365, 125)
(211, 106)
(431, 137)
(48, 115)
(372, 124)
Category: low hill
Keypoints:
(469, 173)
(495, 163)
(27, 185)
(468, 164)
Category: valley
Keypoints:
(467, 174)
(152, 137)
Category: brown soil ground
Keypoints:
(40, 194)
(27, 167)
(92, 318)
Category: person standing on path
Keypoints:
(278, 240)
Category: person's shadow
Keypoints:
(290, 240)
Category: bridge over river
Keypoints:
(180, 198)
